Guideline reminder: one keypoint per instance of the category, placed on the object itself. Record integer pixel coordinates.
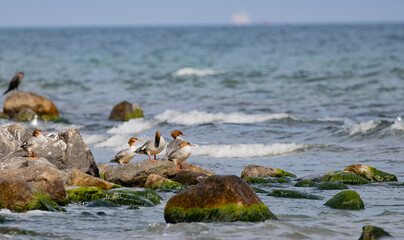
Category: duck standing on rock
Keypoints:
(180, 154)
(15, 82)
(153, 147)
(174, 143)
(34, 143)
(125, 155)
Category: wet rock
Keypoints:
(125, 111)
(18, 101)
(148, 194)
(259, 190)
(24, 115)
(136, 174)
(331, 186)
(220, 198)
(190, 167)
(263, 172)
(346, 200)
(78, 178)
(81, 195)
(293, 194)
(251, 180)
(371, 173)
(189, 177)
(305, 183)
(155, 181)
(344, 177)
(102, 203)
(373, 233)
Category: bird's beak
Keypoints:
(183, 135)
(139, 140)
(192, 145)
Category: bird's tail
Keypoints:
(8, 90)
(114, 160)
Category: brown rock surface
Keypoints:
(78, 178)
(124, 111)
(189, 177)
(155, 179)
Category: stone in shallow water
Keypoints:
(331, 186)
(373, 233)
(344, 177)
(305, 183)
(264, 172)
(346, 200)
(370, 173)
(292, 194)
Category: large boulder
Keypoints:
(222, 198)
(125, 111)
(78, 178)
(371, 173)
(346, 200)
(190, 167)
(18, 101)
(189, 177)
(66, 150)
(263, 172)
(136, 174)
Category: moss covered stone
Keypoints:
(102, 203)
(373, 232)
(344, 177)
(346, 200)
(264, 172)
(125, 111)
(129, 199)
(149, 194)
(169, 185)
(259, 190)
(84, 195)
(370, 173)
(331, 185)
(292, 194)
(259, 180)
(305, 183)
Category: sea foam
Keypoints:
(247, 150)
(359, 128)
(398, 124)
(197, 117)
(194, 72)
(132, 126)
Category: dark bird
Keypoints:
(15, 82)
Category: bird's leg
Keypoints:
(155, 157)
(150, 158)
(33, 155)
(121, 164)
(29, 156)
(179, 169)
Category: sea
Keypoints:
(307, 99)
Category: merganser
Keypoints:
(153, 147)
(180, 154)
(34, 143)
(15, 81)
(174, 143)
(125, 155)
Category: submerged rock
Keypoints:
(293, 194)
(189, 177)
(125, 111)
(221, 198)
(344, 177)
(149, 194)
(331, 185)
(371, 173)
(78, 178)
(18, 101)
(136, 174)
(24, 115)
(346, 200)
(305, 183)
(373, 233)
(264, 172)
(251, 180)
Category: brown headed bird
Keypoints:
(34, 143)
(125, 155)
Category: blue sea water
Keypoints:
(307, 99)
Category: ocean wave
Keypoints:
(132, 126)
(247, 150)
(197, 117)
(118, 142)
(359, 128)
(194, 72)
(398, 124)
(91, 139)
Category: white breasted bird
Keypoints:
(125, 155)
(176, 134)
(180, 154)
(153, 147)
(34, 143)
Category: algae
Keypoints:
(135, 113)
(82, 195)
(344, 177)
(378, 176)
(331, 185)
(283, 173)
(292, 194)
(305, 183)
(259, 180)
(259, 190)
(149, 194)
(102, 203)
(346, 200)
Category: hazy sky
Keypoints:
(189, 12)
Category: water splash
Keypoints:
(398, 123)
(194, 72)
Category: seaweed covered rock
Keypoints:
(136, 174)
(78, 178)
(24, 115)
(264, 172)
(331, 185)
(371, 173)
(292, 194)
(251, 180)
(221, 198)
(189, 177)
(125, 111)
(346, 200)
(155, 181)
(305, 183)
(344, 177)
(374, 233)
(18, 101)
(149, 194)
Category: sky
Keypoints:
(30, 13)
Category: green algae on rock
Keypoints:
(344, 177)
(82, 195)
(292, 194)
(346, 200)
(264, 172)
(370, 173)
(222, 198)
(305, 183)
(373, 233)
(259, 190)
(331, 185)
(148, 194)
(102, 203)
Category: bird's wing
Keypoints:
(145, 146)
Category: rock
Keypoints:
(263, 172)
(344, 177)
(66, 150)
(102, 168)
(124, 111)
(190, 167)
(259, 180)
(371, 173)
(155, 181)
(292, 194)
(346, 200)
(78, 178)
(259, 190)
(220, 198)
(373, 233)
(20, 196)
(305, 183)
(25, 115)
(136, 174)
(331, 186)
(189, 177)
(149, 194)
(17, 101)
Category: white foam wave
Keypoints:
(359, 128)
(93, 139)
(194, 72)
(247, 150)
(398, 124)
(132, 126)
(118, 142)
(196, 117)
